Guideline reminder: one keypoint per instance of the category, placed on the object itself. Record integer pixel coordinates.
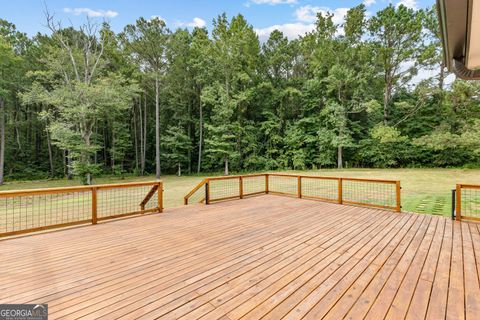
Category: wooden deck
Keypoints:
(266, 257)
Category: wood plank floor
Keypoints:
(265, 257)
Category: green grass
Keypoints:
(423, 190)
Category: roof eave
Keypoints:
(455, 18)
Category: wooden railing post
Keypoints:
(266, 183)
(399, 201)
(458, 202)
(160, 196)
(94, 205)
(340, 190)
(207, 192)
(240, 186)
(299, 186)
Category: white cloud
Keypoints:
(306, 17)
(412, 4)
(308, 13)
(290, 30)
(196, 22)
(274, 2)
(368, 3)
(91, 13)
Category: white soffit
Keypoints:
(473, 41)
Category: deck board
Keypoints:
(266, 257)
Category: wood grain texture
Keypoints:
(266, 257)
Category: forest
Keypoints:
(84, 102)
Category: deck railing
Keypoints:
(467, 202)
(24, 211)
(376, 193)
(198, 194)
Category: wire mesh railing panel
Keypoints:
(37, 211)
(470, 202)
(253, 185)
(24, 211)
(372, 193)
(283, 184)
(220, 189)
(324, 189)
(368, 192)
(127, 200)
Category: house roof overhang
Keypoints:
(460, 31)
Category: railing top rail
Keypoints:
(288, 175)
(318, 177)
(237, 176)
(127, 184)
(371, 180)
(26, 192)
(296, 176)
(300, 175)
(332, 178)
(303, 176)
(468, 186)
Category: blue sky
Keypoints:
(293, 17)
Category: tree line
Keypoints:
(88, 101)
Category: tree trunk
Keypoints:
(105, 145)
(144, 158)
(200, 138)
(386, 99)
(340, 157)
(28, 119)
(113, 153)
(227, 87)
(157, 128)
(95, 155)
(142, 151)
(50, 153)
(226, 166)
(2, 141)
(441, 80)
(441, 77)
(135, 139)
(64, 162)
(36, 135)
(189, 132)
(86, 159)
(16, 132)
(179, 171)
(69, 166)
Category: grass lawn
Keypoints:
(423, 190)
